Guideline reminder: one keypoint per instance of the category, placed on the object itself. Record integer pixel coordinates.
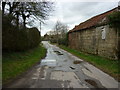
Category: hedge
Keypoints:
(14, 39)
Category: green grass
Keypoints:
(109, 66)
(15, 63)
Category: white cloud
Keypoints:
(73, 13)
(86, 0)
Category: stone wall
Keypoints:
(101, 41)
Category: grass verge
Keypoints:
(15, 63)
(109, 66)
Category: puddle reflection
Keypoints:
(48, 62)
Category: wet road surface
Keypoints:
(61, 69)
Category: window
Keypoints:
(103, 33)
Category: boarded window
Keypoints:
(103, 33)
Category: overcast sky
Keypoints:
(73, 13)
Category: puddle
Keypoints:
(48, 62)
(59, 66)
(87, 69)
(77, 62)
(92, 82)
(51, 67)
(73, 68)
(57, 52)
(65, 60)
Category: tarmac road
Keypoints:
(57, 70)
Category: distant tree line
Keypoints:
(15, 15)
(59, 35)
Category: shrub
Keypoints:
(63, 41)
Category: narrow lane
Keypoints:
(57, 70)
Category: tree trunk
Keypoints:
(3, 7)
(10, 8)
(24, 19)
(24, 24)
(17, 21)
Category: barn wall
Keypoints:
(101, 41)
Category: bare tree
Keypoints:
(35, 10)
(3, 7)
(60, 30)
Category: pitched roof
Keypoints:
(92, 21)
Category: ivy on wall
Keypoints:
(114, 20)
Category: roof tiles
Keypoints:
(92, 21)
